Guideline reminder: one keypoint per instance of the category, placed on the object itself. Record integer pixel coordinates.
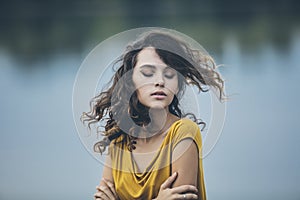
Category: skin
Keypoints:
(151, 74)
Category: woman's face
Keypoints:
(155, 82)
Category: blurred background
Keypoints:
(43, 43)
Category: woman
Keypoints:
(154, 152)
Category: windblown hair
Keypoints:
(120, 102)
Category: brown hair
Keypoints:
(120, 100)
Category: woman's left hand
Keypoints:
(106, 191)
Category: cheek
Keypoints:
(173, 86)
(135, 80)
(176, 88)
(141, 92)
(139, 82)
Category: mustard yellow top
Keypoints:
(146, 185)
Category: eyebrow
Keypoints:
(153, 66)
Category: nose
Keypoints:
(159, 82)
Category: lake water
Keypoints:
(256, 157)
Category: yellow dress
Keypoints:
(146, 185)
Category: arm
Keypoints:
(185, 162)
(107, 172)
(183, 182)
(106, 188)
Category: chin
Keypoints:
(158, 107)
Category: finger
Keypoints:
(186, 196)
(105, 189)
(111, 187)
(169, 181)
(184, 189)
(100, 196)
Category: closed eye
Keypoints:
(147, 74)
(169, 76)
(169, 73)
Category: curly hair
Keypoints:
(120, 100)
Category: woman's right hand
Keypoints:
(181, 192)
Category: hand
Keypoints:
(180, 192)
(106, 191)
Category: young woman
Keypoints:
(154, 152)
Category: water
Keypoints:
(256, 156)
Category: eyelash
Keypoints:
(169, 76)
(147, 75)
(151, 74)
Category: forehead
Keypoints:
(148, 56)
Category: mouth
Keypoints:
(158, 93)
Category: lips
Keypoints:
(158, 93)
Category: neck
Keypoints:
(160, 120)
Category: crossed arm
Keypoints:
(181, 185)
